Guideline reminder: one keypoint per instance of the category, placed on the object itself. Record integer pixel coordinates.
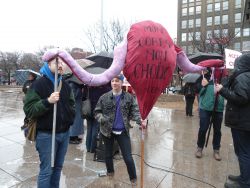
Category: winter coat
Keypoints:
(106, 109)
(37, 106)
(237, 93)
(207, 99)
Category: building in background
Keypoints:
(213, 25)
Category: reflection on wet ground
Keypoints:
(170, 143)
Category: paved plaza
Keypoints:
(170, 144)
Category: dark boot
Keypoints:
(233, 178)
(232, 185)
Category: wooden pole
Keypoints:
(142, 153)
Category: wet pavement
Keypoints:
(170, 144)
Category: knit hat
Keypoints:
(120, 77)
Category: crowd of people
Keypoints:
(112, 108)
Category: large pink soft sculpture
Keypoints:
(151, 57)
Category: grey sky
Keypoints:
(27, 25)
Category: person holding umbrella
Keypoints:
(113, 111)
(211, 108)
(39, 102)
(31, 78)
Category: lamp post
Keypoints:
(101, 27)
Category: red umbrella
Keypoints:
(212, 63)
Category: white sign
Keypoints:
(230, 56)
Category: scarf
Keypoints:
(45, 70)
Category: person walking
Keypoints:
(114, 111)
(211, 107)
(39, 102)
(189, 93)
(31, 78)
(237, 93)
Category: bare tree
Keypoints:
(113, 34)
(216, 41)
(30, 61)
(9, 64)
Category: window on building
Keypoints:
(198, 22)
(246, 32)
(184, 37)
(190, 49)
(209, 34)
(217, 20)
(209, 21)
(190, 23)
(217, 6)
(209, 7)
(237, 46)
(225, 5)
(198, 35)
(184, 24)
(225, 19)
(190, 1)
(198, 9)
(190, 36)
(225, 32)
(217, 33)
(237, 17)
(184, 1)
(237, 32)
(184, 11)
(246, 45)
(237, 3)
(191, 10)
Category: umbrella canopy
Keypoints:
(95, 70)
(102, 59)
(22, 75)
(191, 77)
(200, 56)
(72, 78)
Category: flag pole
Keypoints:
(54, 118)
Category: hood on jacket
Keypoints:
(242, 62)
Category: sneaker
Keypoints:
(198, 153)
(233, 178)
(217, 156)
(232, 185)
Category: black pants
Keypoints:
(189, 105)
(125, 146)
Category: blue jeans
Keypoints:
(92, 131)
(241, 140)
(50, 177)
(125, 146)
(205, 117)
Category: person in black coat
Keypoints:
(237, 93)
(189, 93)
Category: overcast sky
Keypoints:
(27, 25)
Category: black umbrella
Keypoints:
(69, 76)
(191, 77)
(201, 56)
(95, 70)
(102, 59)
